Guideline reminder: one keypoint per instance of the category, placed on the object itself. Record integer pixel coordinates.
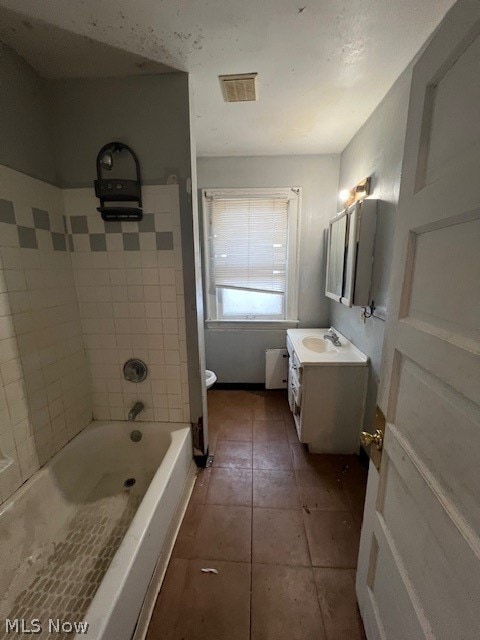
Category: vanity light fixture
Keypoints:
(360, 191)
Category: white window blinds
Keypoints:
(248, 242)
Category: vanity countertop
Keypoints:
(311, 348)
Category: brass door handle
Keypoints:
(369, 438)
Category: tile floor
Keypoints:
(280, 526)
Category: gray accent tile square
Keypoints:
(79, 224)
(147, 223)
(70, 243)
(115, 226)
(164, 240)
(59, 241)
(41, 219)
(7, 212)
(131, 242)
(98, 242)
(27, 238)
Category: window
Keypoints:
(251, 254)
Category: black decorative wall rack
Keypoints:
(117, 190)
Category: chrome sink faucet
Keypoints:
(135, 410)
(332, 335)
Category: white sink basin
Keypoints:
(311, 348)
(319, 345)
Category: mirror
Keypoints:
(351, 241)
(336, 256)
(351, 255)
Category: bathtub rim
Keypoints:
(94, 425)
(113, 583)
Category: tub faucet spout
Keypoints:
(135, 410)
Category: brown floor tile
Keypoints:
(188, 530)
(319, 490)
(338, 603)
(269, 431)
(239, 430)
(288, 596)
(193, 605)
(200, 489)
(353, 477)
(234, 455)
(230, 487)
(292, 435)
(271, 455)
(302, 459)
(169, 602)
(270, 405)
(224, 533)
(230, 405)
(333, 538)
(213, 431)
(275, 489)
(279, 537)
(285, 604)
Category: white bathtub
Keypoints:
(77, 545)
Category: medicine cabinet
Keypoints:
(351, 240)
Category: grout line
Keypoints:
(269, 564)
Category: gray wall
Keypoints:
(149, 112)
(239, 355)
(24, 118)
(376, 150)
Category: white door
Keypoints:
(419, 563)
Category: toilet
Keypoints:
(210, 378)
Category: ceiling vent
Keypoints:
(239, 88)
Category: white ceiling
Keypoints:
(324, 65)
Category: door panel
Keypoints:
(425, 407)
(443, 284)
(421, 538)
(455, 126)
(390, 594)
(424, 546)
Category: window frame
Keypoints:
(294, 196)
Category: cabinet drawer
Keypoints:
(294, 386)
(296, 368)
(290, 347)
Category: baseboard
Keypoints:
(253, 386)
(164, 558)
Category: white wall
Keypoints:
(239, 356)
(376, 150)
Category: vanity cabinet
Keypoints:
(327, 398)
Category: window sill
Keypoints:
(251, 324)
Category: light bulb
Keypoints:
(344, 195)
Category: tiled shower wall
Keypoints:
(44, 380)
(79, 297)
(129, 284)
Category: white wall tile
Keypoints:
(135, 313)
(41, 351)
